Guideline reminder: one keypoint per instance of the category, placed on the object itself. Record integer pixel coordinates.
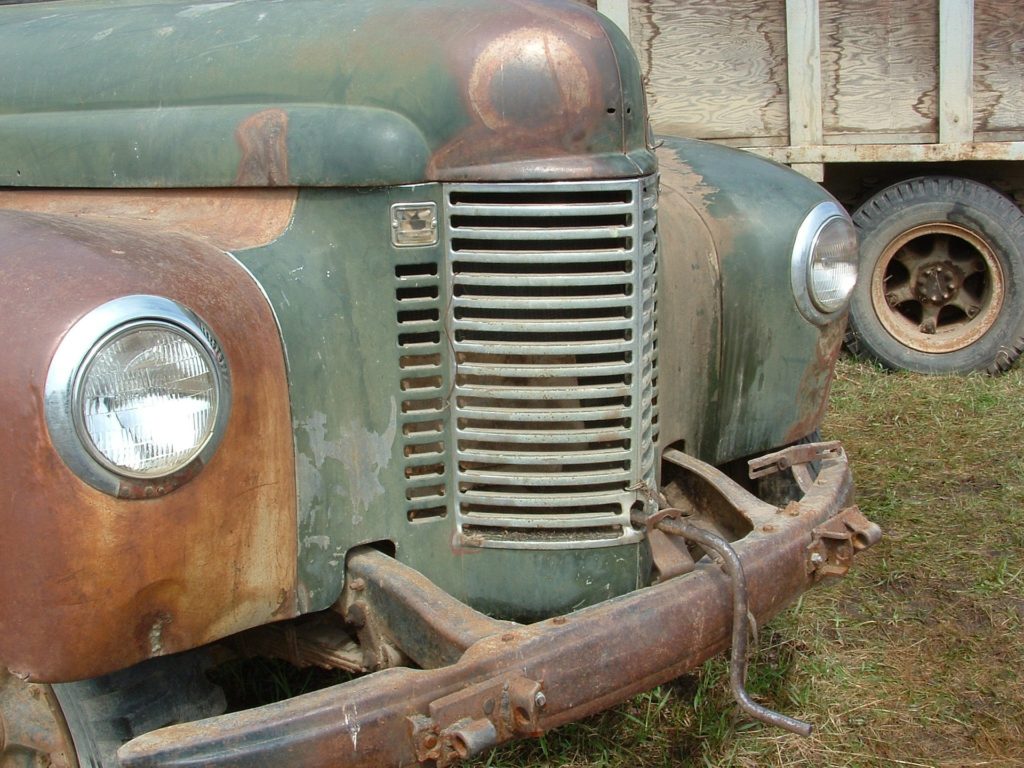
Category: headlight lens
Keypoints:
(137, 392)
(833, 272)
(824, 265)
(147, 400)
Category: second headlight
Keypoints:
(824, 265)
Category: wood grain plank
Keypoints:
(714, 70)
(879, 65)
(998, 65)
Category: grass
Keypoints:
(915, 658)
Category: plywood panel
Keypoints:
(998, 65)
(713, 69)
(880, 65)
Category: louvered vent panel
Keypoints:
(419, 310)
(552, 318)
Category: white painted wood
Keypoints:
(956, 71)
(893, 153)
(617, 11)
(813, 171)
(803, 46)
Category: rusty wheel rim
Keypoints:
(937, 288)
(32, 728)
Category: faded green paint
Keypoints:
(331, 280)
(771, 376)
(310, 93)
(362, 103)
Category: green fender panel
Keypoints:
(768, 368)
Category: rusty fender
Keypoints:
(516, 680)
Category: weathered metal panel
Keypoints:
(253, 94)
(93, 582)
(341, 293)
(768, 390)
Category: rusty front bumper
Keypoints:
(515, 680)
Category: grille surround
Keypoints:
(552, 325)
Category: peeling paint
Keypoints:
(156, 635)
(363, 454)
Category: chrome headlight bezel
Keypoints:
(807, 238)
(64, 381)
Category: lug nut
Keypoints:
(540, 700)
(928, 326)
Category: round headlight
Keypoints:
(824, 267)
(146, 400)
(137, 392)
(833, 272)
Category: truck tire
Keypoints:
(105, 712)
(940, 283)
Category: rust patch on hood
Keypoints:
(230, 219)
(536, 79)
(263, 139)
(560, 70)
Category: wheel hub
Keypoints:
(938, 283)
(937, 287)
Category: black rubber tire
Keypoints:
(938, 201)
(105, 712)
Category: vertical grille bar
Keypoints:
(552, 321)
(418, 313)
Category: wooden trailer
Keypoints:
(911, 112)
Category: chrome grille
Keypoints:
(552, 321)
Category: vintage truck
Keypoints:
(910, 113)
(381, 337)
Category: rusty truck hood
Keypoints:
(314, 92)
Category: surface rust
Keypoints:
(537, 81)
(816, 382)
(690, 307)
(92, 582)
(263, 139)
(232, 219)
(519, 681)
(33, 733)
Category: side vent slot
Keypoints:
(424, 383)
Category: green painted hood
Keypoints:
(314, 92)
